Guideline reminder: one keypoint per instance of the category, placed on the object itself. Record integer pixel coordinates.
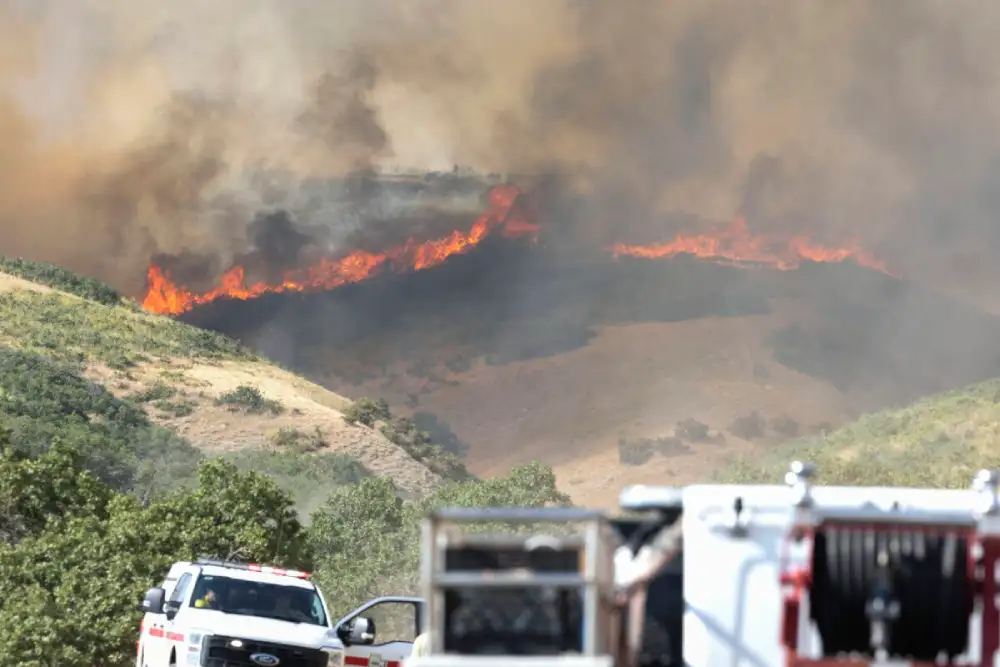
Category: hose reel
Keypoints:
(889, 584)
(902, 592)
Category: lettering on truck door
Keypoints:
(397, 624)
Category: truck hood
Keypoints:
(261, 629)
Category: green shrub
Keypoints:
(366, 411)
(179, 408)
(155, 392)
(402, 431)
(291, 439)
(246, 398)
(749, 427)
(635, 452)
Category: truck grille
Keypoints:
(219, 653)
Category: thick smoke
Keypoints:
(140, 129)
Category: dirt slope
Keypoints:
(632, 381)
(532, 354)
(524, 358)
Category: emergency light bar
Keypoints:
(254, 567)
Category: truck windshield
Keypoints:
(256, 598)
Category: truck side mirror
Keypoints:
(359, 631)
(153, 602)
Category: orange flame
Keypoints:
(163, 296)
(733, 244)
(737, 245)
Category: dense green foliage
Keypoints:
(940, 441)
(61, 279)
(44, 401)
(70, 586)
(403, 431)
(76, 556)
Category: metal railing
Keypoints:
(593, 580)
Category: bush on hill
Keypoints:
(291, 439)
(249, 399)
(403, 432)
(366, 411)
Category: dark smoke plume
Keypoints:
(136, 129)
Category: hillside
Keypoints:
(76, 344)
(622, 372)
(938, 441)
(129, 441)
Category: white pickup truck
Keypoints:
(210, 613)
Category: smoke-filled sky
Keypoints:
(132, 128)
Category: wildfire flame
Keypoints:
(738, 245)
(165, 297)
(733, 244)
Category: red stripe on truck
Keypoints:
(362, 661)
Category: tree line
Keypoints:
(76, 555)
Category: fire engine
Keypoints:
(713, 575)
(212, 613)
